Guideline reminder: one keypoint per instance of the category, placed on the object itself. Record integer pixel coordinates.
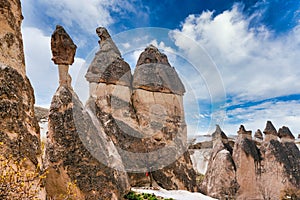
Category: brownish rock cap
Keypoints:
(270, 129)
(62, 47)
(285, 132)
(242, 131)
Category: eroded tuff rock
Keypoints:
(11, 44)
(108, 66)
(219, 135)
(154, 73)
(78, 150)
(147, 127)
(19, 130)
(260, 173)
(247, 159)
(285, 134)
(62, 47)
(270, 131)
(220, 178)
(18, 125)
(63, 52)
(258, 135)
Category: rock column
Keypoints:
(77, 151)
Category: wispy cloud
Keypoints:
(254, 65)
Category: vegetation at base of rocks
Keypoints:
(144, 196)
(290, 194)
(200, 178)
(16, 182)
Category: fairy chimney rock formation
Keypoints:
(108, 65)
(251, 172)
(285, 135)
(258, 135)
(270, 132)
(220, 178)
(63, 52)
(243, 133)
(146, 123)
(219, 135)
(154, 73)
(77, 148)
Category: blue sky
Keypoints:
(239, 60)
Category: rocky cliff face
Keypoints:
(18, 125)
(77, 150)
(70, 140)
(19, 130)
(142, 114)
(11, 44)
(260, 171)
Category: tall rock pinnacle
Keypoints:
(270, 131)
(108, 66)
(77, 150)
(142, 114)
(63, 51)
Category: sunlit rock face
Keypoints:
(77, 149)
(19, 130)
(11, 43)
(142, 114)
(220, 177)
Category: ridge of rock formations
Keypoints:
(260, 172)
(77, 149)
(144, 118)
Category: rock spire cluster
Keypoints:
(254, 169)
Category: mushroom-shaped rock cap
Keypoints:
(62, 47)
(242, 131)
(219, 134)
(108, 66)
(285, 132)
(154, 73)
(258, 134)
(270, 129)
